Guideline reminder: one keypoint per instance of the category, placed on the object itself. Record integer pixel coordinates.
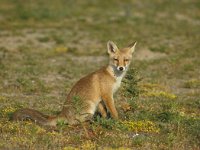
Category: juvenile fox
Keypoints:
(87, 95)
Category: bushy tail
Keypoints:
(35, 116)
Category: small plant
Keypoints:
(131, 88)
(193, 83)
(106, 123)
(159, 48)
(58, 39)
(140, 126)
(61, 124)
(167, 116)
(43, 39)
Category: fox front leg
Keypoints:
(109, 102)
(102, 110)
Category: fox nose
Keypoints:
(121, 68)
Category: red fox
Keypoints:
(87, 95)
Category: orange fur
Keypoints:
(84, 98)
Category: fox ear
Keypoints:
(112, 47)
(132, 46)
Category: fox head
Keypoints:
(120, 59)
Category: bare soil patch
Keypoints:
(146, 54)
(13, 41)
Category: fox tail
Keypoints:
(35, 116)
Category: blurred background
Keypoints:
(85, 26)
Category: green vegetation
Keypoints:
(46, 46)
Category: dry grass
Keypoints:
(46, 46)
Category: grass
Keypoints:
(46, 46)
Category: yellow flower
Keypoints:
(5, 111)
(2, 99)
(89, 145)
(141, 126)
(161, 94)
(70, 148)
(61, 49)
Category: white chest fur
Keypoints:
(117, 84)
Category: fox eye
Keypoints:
(115, 59)
(126, 59)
